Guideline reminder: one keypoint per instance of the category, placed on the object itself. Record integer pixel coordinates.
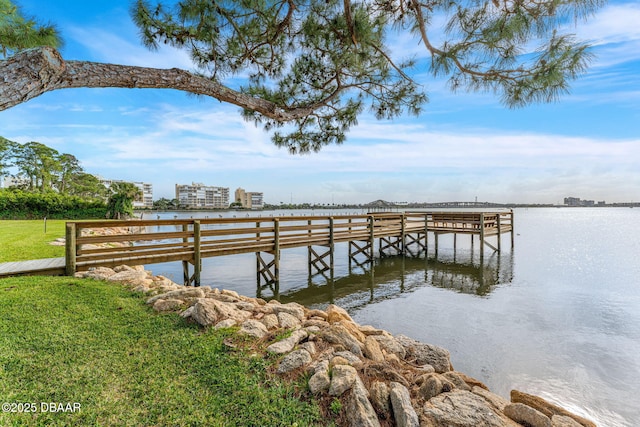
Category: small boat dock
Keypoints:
(191, 240)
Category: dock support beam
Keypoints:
(270, 271)
(512, 228)
(362, 247)
(197, 257)
(482, 237)
(317, 260)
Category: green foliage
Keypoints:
(165, 204)
(18, 32)
(327, 61)
(120, 204)
(336, 406)
(42, 168)
(85, 341)
(6, 153)
(20, 204)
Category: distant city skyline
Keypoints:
(463, 146)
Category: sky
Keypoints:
(463, 147)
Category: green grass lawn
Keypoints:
(95, 344)
(25, 240)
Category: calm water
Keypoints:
(557, 316)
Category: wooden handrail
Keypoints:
(149, 241)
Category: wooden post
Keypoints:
(258, 265)
(70, 249)
(403, 232)
(499, 229)
(185, 264)
(426, 235)
(331, 241)
(276, 250)
(512, 230)
(371, 237)
(309, 259)
(197, 260)
(481, 235)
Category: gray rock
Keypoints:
(547, 408)
(208, 311)
(226, 323)
(292, 308)
(245, 305)
(463, 408)
(431, 387)
(372, 350)
(184, 292)
(386, 372)
(270, 321)
(495, 400)
(427, 369)
(294, 360)
(253, 328)
(359, 411)
(342, 379)
(130, 277)
(317, 313)
(230, 293)
(523, 414)
(288, 321)
(167, 305)
(141, 288)
(564, 421)
(310, 347)
(390, 345)
(423, 354)
(379, 396)
(319, 382)
(121, 268)
(403, 411)
(315, 323)
(457, 380)
(320, 365)
(353, 359)
(287, 344)
(187, 313)
(370, 330)
(98, 273)
(338, 334)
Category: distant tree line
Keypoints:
(47, 183)
(39, 168)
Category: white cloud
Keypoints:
(392, 161)
(125, 48)
(614, 23)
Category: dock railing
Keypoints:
(111, 243)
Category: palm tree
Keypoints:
(120, 204)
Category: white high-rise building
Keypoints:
(199, 196)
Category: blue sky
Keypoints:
(463, 146)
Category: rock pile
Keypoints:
(379, 379)
(104, 231)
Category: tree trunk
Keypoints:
(31, 73)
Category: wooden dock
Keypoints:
(41, 267)
(191, 240)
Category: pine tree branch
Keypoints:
(34, 72)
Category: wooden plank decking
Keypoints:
(43, 267)
(190, 240)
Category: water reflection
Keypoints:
(390, 277)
